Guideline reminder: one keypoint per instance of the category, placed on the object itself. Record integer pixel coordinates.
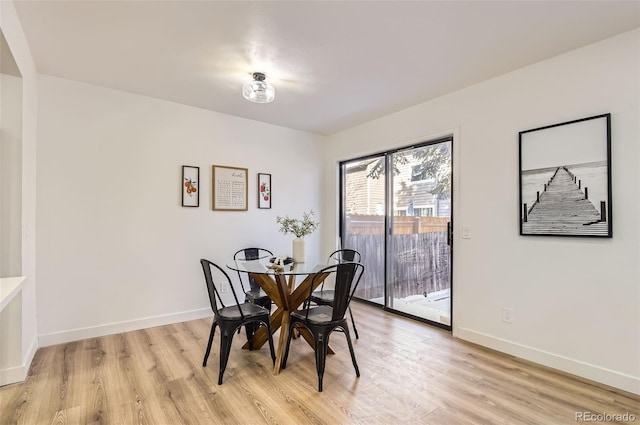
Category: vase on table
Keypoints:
(298, 250)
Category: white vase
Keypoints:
(298, 250)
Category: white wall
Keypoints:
(16, 40)
(10, 175)
(116, 251)
(576, 302)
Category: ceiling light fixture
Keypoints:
(258, 91)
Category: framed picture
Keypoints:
(229, 188)
(565, 179)
(190, 186)
(264, 190)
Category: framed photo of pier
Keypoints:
(230, 188)
(565, 179)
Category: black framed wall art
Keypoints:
(190, 186)
(565, 179)
(264, 190)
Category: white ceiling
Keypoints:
(334, 64)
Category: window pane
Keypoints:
(364, 220)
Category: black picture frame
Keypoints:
(565, 179)
(264, 191)
(190, 186)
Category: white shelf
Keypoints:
(9, 288)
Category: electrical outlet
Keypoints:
(507, 315)
(224, 288)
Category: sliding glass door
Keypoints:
(396, 210)
(364, 221)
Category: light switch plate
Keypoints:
(466, 232)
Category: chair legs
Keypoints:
(286, 349)
(321, 347)
(355, 331)
(225, 348)
(353, 354)
(250, 328)
(211, 334)
(226, 338)
(271, 349)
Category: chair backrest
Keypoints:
(250, 254)
(347, 278)
(342, 255)
(214, 295)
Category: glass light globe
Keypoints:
(258, 91)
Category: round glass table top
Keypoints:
(265, 266)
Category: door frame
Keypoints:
(452, 137)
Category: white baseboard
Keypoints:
(118, 327)
(576, 367)
(31, 352)
(15, 374)
(12, 375)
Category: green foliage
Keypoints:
(378, 167)
(300, 228)
(433, 160)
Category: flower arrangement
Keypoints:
(300, 228)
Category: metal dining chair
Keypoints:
(254, 294)
(325, 296)
(324, 319)
(230, 318)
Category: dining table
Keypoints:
(282, 286)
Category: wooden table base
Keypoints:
(287, 299)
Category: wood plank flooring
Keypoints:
(411, 373)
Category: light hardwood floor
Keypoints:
(411, 374)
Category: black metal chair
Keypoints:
(324, 296)
(322, 320)
(230, 318)
(254, 294)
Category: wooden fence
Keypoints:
(402, 225)
(421, 263)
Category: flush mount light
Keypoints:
(258, 91)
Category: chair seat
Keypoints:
(324, 296)
(256, 294)
(317, 315)
(248, 309)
